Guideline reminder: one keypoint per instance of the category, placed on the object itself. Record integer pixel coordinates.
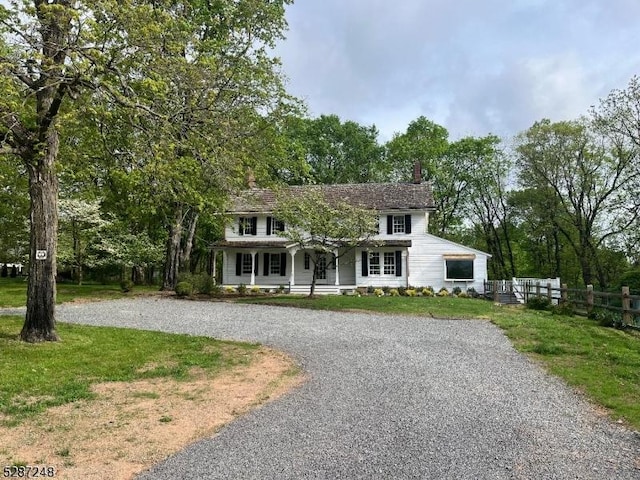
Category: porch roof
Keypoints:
(254, 244)
(287, 244)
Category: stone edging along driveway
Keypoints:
(387, 397)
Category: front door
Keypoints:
(321, 271)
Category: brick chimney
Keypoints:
(417, 172)
(251, 179)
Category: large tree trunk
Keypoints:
(172, 259)
(41, 297)
(185, 255)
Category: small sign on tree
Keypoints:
(41, 254)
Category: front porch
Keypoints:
(277, 265)
(280, 265)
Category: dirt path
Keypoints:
(131, 426)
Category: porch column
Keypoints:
(224, 264)
(335, 254)
(213, 267)
(292, 276)
(253, 268)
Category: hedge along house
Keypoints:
(402, 254)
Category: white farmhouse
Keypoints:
(403, 254)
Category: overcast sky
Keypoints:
(472, 66)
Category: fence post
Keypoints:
(549, 293)
(589, 299)
(563, 293)
(626, 306)
(537, 289)
(496, 293)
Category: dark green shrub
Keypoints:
(402, 291)
(472, 292)
(630, 279)
(5, 271)
(126, 285)
(538, 303)
(606, 318)
(184, 289)
(206, 284)
(202, 282)
(563, 309)
(370, 289)
(242, 289)
(14, 272)
(456, 290)
(386, 289)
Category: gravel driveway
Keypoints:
(387, 397)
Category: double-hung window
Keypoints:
(274, 265)
(374, 263)
(246, 263)
(247, 225)
(398, 224)
(389, 263)
(381, 263)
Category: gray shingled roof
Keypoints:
(373, 196)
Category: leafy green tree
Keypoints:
(153, 60)
(425, 142)
(490, 213)
(81, 223)
(455, 177)
(336, 151)
(213, 104)
(14, 211)
(588, 175)
(322, 226)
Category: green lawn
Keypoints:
(13, 291)
(37, 376)
(441, 307)
(604, 363)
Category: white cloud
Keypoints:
(475, 67)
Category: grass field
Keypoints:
(13, 291)
(603, 363)
(37, 376)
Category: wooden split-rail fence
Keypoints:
(585, 301)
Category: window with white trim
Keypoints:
(374, 263)
(274, 264)
(307, 261)
(246, 225)
(278, 225)
(389, 263)
(246, 263)
(398, 224)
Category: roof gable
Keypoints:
(372, 196)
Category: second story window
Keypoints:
(398, 224)
(248, 225)
(274, 225)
